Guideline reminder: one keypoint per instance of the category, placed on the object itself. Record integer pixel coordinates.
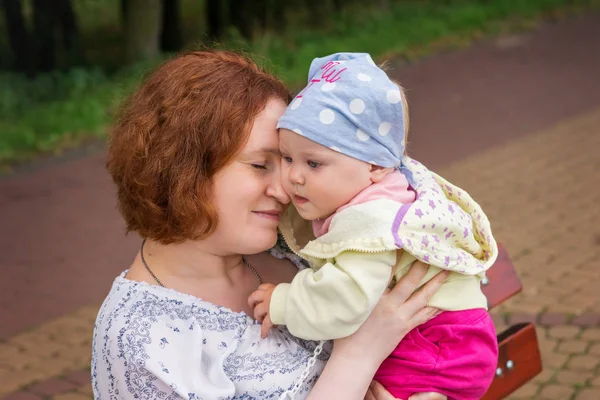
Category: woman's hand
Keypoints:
(399, 311)
(355, 359)
(377, 392)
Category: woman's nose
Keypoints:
(275, 189)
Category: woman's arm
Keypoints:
(355, 359)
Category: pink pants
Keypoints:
(454, 354)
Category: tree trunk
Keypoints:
(17, 35)
(277, 11)
(317, 10)
(142, 29)
(124, 12)
(242, 17)
(260, 11)
(170, 37)
(44, 31)
(214, 18)
(70, 32)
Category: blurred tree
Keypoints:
(18, 37)
(252, 16)
(44, 34)
(318, 11)
(38, 52)
(215, 19)
(170, 35)
(124, 11)
(277, 20)
(66, 21)
(241, 14)
(143, 19)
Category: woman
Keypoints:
(195, 159)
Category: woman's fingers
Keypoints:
(369, 395)
(421, 298)
(428, 396)
(379, 392)
(424, 315)
(409, 282)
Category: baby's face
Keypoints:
(319, 180)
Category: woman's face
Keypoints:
(248, 194)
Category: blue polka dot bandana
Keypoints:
(351, 106)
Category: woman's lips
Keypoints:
(272, 215)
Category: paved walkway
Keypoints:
(515, 121)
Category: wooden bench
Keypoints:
(519, 358)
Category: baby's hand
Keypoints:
(260, 301)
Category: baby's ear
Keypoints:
(378, 173)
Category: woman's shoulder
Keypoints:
(137, 306)
(154, 340)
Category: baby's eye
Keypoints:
(287, 159)
(313, 164)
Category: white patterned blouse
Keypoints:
(151, 342)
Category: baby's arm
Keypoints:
(335, 300)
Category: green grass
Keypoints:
(65, 109)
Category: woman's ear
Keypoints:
(378, 173)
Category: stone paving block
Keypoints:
(26, 340)
(527, 391)
(8, 353)
(595, 350)
(545, 376)
(583, 363)
(570, 377)
(588, 394)
(564, 332)
(81, 377)
(553, 319)
(591, 334)
(21, 395)
(573, 347)
(72, 396)
(556, 392)
(78, 357)
(86, 390)
(554, 360)
(14, 380)
(587, 319)
(52, 387)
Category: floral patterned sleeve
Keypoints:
(281, 251)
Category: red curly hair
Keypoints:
(189, 119)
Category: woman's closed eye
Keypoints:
(258, 166)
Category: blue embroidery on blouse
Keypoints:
(123, 339)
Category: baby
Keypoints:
(364, 212)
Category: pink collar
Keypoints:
(393, 186)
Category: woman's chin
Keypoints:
(259, 241)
